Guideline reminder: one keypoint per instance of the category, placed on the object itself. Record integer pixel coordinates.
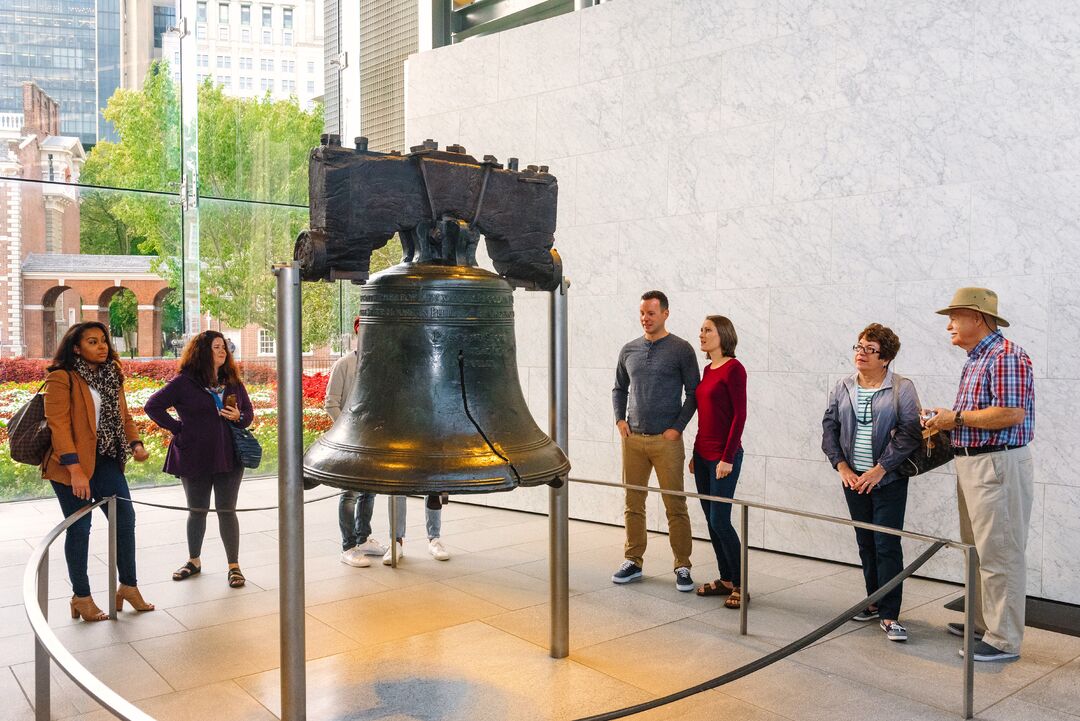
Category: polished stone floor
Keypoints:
(466, 639)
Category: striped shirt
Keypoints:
(997, 373)
(863, 452)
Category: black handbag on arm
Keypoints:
(248, 450)
(935, 448)
(28, 431)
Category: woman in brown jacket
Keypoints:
(92, 436)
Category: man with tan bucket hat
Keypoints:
(991, 422)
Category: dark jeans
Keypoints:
(354, 518)
(725, 541)
(225, 487)
(881, 554)
(108, 480)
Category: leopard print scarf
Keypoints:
(107, 381)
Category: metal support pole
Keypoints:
(290, 495)
(558, 498)
(744, 566)
(42, 690)
(393, 531)
(971, 579)
(112, 556)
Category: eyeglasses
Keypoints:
(865, 350)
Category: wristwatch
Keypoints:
(958, 419)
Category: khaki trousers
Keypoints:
(642, 454)
(994, 492)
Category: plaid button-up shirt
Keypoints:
(997, 373)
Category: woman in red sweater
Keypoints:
(718, 453)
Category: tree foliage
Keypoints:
(253, 158)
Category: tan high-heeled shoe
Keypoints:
(84, 607)
(131, 595)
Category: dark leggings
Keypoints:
(725, 541)
(226, 487)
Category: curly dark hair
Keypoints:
(64, 358)
(198, 360)
(886, 339)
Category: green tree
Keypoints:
(253, 150)
(124, 318)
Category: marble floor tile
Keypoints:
(14, 705)
(470, 672)
(1013, 709)
(401, 613)
(1058, 690)
(594, 617)
(668, 658)
(505, 587)
(223, 700)
(208, 655)
(119, 667)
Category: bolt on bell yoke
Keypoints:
(436, 406)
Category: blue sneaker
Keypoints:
(627, 572)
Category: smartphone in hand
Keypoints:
(230, 401)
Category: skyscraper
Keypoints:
(71, 49)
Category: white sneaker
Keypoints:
(371, 547)
(386, 560)
(354, 558)
(438, 552)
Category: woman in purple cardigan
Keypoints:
(207, 395)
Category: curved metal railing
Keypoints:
(48, 646)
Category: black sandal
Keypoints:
(188, 570)
(236, 578)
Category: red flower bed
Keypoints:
(22, 370)
(314, 389)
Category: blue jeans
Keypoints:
(434, 519)
(108, 480)
(725, 541)
(354, 517)
(881, 554)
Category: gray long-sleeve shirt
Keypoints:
(652, 376)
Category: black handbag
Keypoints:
(248, 450)
(28, 431)
(935, 448)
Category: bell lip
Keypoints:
(492, 484)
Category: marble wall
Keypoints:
(804, 167)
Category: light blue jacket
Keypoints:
(890, 449)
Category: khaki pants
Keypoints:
(641, 454)
(994, 492)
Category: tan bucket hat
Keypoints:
(981, 300)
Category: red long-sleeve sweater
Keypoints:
(721, 407)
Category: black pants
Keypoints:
(725, 541)
(226, 487)
(881, 554)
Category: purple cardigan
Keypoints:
(202, 442)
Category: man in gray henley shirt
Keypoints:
(651, 412)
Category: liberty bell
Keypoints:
(436, 406)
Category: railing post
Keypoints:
(290, 495)
(971, 580)
(744, 567)
(112, 556)
(42, 690)
(558, 498)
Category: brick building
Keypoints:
(45, 283)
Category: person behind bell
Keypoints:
(355, 508)
(92, 436)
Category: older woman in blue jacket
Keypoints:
(870, 427)
(208, 396)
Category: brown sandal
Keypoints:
(735, 599)
(714, 588)
(236, 578)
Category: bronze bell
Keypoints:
(437, 405)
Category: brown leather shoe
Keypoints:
(85, 608)
(131, 595)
